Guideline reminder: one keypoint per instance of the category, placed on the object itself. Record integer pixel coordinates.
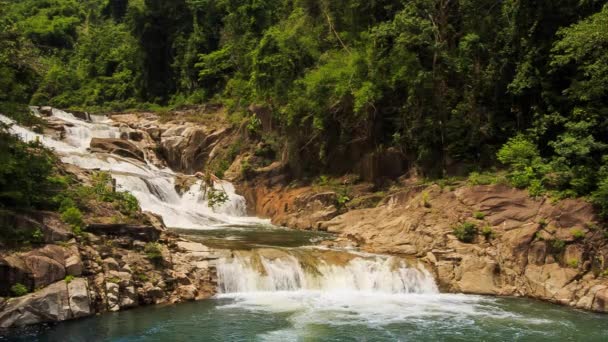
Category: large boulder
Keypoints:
(13, 270)
(123, 148)
(187, 148)
(44, 270)
(55, 303)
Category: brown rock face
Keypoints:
(186, 148)
(118, 147)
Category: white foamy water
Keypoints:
(153, 187)
(369, 291)
(375, 275)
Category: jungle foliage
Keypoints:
(446, 82)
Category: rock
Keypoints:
(155, 220)
(44, 270)
(478, 276)
(13, 270)
(46, 111)
(110, 264)
(182, 279)
(152, 292)
(136, 136)
(80, 302)
(119, 147)
(73, 265)
(600, 302)
(154, 133)
(143, 233)
(183, 183)
(187, 292)
(51, 304)
(187, 148)
(188, 246)
(128, 298)
(112, 296)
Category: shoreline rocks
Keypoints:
(523, 247)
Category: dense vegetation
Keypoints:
(446, 82)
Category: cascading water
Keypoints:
(255, 273)
(153, 187)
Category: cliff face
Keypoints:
(522, 246)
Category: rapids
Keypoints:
(153, 187)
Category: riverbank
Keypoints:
(489, 239)
(108, 267)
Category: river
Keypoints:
(281, 285)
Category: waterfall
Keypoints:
(259, 273)
(153, 187)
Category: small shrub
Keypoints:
(543, 223)
(153, 251)
(476, 178)
(592, 226)
(127, 203)
(479, 215)
(577, 234)
(216, 197)
(68, 279)
(557, 246)
(73, 217)
(466, 232)
(246, 168)
(342, 198)
(37, 236)
(425, 199)
(487, 232)
(19, 290)
(573, 263)
(66, 203)
(322, 180)
(254, 124)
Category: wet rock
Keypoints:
(46, 111)
(112, 296)
(80, 302)
(119, 147)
